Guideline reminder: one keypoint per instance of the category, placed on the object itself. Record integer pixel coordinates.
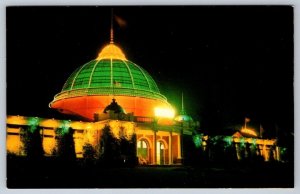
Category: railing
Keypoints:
(144, 119)
(108, 91)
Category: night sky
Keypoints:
(230, 62)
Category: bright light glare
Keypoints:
(164, 112)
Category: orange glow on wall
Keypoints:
(77, 125)
(249, 131)
(165, 121)
(16, 120)
(14, 144)
(49, 145)
(49, 123)
(89, 136)
(115, 126)
(86, 106)
(90, 133)
(128, 129)
(78, 141)
(268, 142)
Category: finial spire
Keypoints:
(112, 26)
(182, 105)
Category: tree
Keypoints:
(65, 145)
(110, 153)
(89, 155)
(117, 152)
(128, 150)
(32, 140)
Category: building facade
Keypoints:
(113, 91)
(156, 143)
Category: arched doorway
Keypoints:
(143, 151)
(160, 153)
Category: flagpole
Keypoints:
(246, 121)
(113, 89)
(112, 26)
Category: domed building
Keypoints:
(109, 91)
(115, 92)
(111, 75)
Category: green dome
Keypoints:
(111, 77)
(110, 73)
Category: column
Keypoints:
(179, 146)
(265, 151)
(277, 153)
(170, 149)
(154, 147)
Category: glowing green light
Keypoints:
(242, 142)
(228, 140)
(253, 141)
(103, 74)
(283, 150)
(64, 126)
(197, 140)
(215, 140)
(33, 123)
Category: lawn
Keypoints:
(50, 173)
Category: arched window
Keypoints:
(142, 144)
(143, 152)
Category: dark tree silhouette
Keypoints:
(110, 153)
(128, 150)
(89, 155)
(65, 145)
(32, 140)
(89, 151)
(117, 152)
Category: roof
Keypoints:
(110, 74)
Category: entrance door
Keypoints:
(160, 153)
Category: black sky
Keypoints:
(230, 62)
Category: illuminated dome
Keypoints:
(183, 118)
(111, 70)
(93, 85)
